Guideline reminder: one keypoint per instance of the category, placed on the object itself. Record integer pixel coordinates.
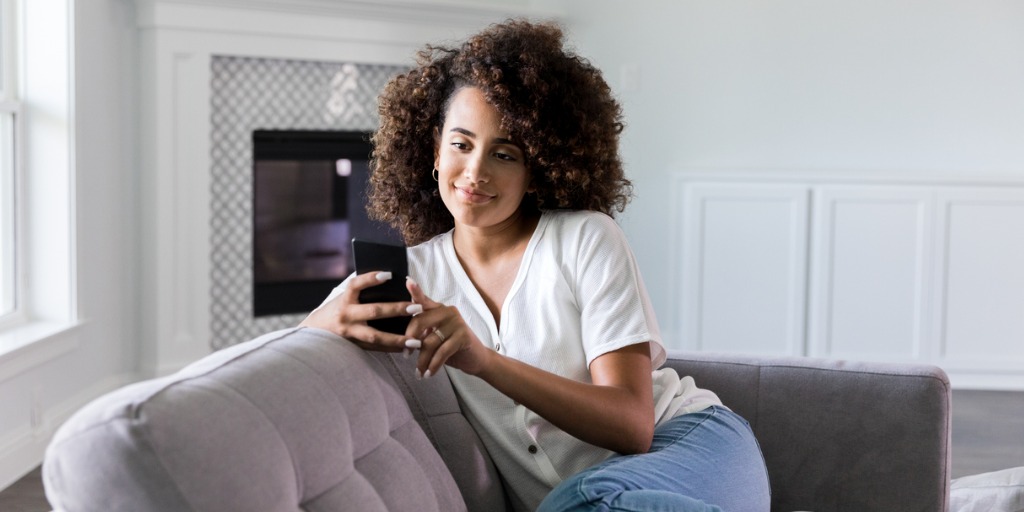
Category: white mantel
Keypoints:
(225, 14)
(177, 40)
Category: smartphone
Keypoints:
(378, 257)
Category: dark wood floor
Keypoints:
(988, 435)
(988, 431)
(26, 495)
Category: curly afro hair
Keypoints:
(555, 104)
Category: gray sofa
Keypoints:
(302, 420)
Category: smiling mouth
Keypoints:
(473, 197)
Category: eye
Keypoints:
(460, 145)
(505, 156)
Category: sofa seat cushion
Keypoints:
(297, 419)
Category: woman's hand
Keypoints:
(445, 337)
(346, 317)
(614, 411)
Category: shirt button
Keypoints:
(532, 449)
(497, 347)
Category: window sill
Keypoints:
(28, 346)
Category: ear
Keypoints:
(437, 148)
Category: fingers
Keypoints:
(437, 331)
(368, 338)
(376, 311)
(439, 347)
(358, 312)
(348, 318)
(357, 330)
(364, 281)
(443, 333)
(418, 296)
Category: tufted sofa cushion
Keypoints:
(437, 409)
(294, 420)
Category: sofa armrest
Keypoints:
(297, 419)
(839, 435)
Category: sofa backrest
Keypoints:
(297, 419)
(839, 435)
(438, 411)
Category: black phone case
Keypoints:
(378, 257)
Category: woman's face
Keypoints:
(482, 175)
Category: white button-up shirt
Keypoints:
(578, 294)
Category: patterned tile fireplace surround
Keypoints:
(257, 93)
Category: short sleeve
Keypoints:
(615, 309)
(338, 290)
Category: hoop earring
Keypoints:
(434, 174)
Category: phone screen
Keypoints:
(378, 257)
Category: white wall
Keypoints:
(99, 354)
(905, 86)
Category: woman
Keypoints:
(498, 161)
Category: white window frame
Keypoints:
(46, 273)
(10, 117)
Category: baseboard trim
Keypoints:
(990, 382)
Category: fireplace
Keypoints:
(308, 203)
(290, 147)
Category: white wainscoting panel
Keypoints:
(862, 266)
(982, 279)
(870, 254)
(743, 280)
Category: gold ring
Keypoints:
(440, 335)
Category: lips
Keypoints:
(473, 196)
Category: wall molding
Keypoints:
(825, 257)
(873, 177)
(177, 13)
(29, 346)
(789, 204)
(986, 380)
(914, 268)
(1003, 245)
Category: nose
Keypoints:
(476, 169)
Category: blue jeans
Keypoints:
(701, 462)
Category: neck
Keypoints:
(493, 242)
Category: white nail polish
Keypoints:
(383, 276)
(406, 353)
(411, 280)
(413, 344)
(414, 309)
(427, 375)
(418, 375)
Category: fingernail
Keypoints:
(411, 280)
(414, 309)
(418, 376)
(427, 375)
(413, 343)
(406, 353)
(383, 276)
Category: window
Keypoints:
(9, 108)
(37, 230)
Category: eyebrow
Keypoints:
(498, 140)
